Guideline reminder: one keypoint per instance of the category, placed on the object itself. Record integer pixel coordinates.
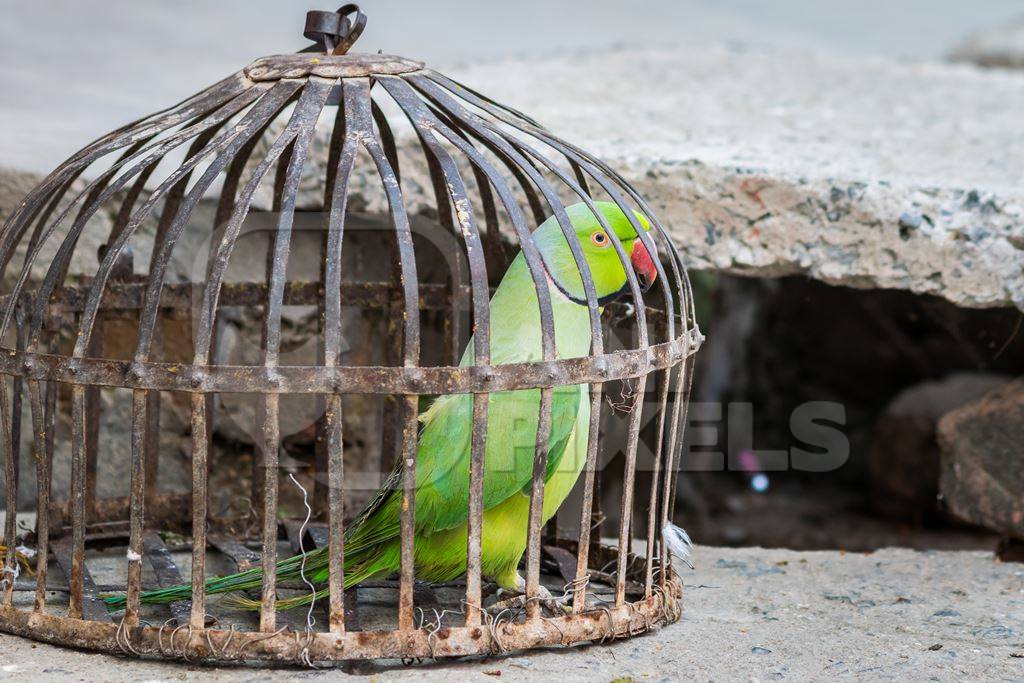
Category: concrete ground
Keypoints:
(749, 614)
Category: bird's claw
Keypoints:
(554, 606)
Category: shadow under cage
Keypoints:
(290, 266)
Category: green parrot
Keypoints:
(372, 545)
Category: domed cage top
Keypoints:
(124, 293)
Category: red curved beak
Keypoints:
(643, 265)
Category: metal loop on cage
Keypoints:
(335, 32)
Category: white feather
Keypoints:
(678, 542)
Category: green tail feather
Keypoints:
(355, 575)
(359, 567)
(287, 570)
(366, 555)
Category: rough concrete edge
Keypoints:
(963, 245)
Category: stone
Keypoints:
(903, 458)
(15, 185)
(773, 162)
(113, 452)
(996, 46)
(768, 163)
(982, 481)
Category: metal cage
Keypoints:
(492, 174)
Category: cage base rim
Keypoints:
(216, 646)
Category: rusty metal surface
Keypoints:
(346, 380)
(86, 605)
(167, 574)
(279, 67)
(212, 645)
(255, 129)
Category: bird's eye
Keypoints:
(599, 238)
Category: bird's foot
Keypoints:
(552, 605)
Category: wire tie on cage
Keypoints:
(550, 621)
(224, 647)
(610, 633)
(268, 636)
(209, 644)
(492, 624)
(184, 650)
(310, 622)
(643, 615)
(160, 635)
(124, 634)
(302, 655)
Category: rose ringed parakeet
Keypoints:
(372, 545)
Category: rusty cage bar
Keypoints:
(490, 176)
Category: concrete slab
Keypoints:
(861, 172)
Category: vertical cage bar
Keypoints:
(335, 514)
(686, 385)
(78, 455)
(12, 468)
(671, 461)
(304, 118)
(408, 521)
(136, 505)
(357, 92)
(579, 599)
(42, 506)
(534, 527)
(200, 451)
(628, 485)
(268, 420)
(42, 426)
(92, 430)
(474, 519)
(151, 456)
(10, 512)
(660, 453)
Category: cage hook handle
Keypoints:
(335, 32)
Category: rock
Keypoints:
(998, 46)
(14, 186)
(903, 459)
(769, 163)
(772, 162)
(982, 481)
(113, 452)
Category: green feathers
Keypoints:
(442, 462)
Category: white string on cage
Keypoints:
(310, 621)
